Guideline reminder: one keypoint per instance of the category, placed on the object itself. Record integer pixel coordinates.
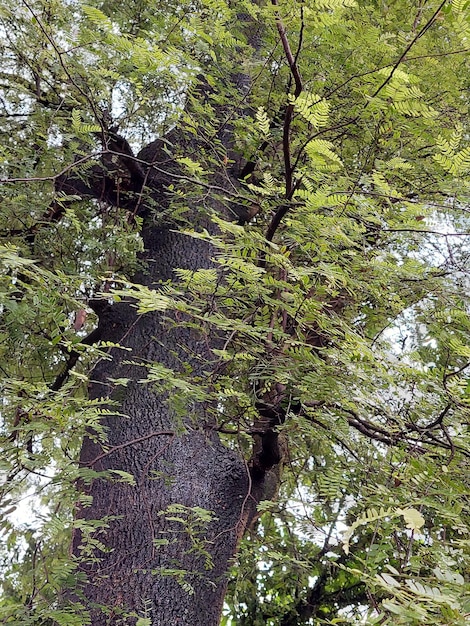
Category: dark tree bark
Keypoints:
(173, 459)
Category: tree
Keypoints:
(235, 284)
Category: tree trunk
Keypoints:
(146, 564)
(172, 460)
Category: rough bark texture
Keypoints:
(173, 459)
(192, 470)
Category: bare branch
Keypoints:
(289, 113)
(157, 433)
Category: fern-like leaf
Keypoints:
(312, 108)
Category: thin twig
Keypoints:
(157, 433)
(426, 27)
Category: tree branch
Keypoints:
(288, 116)
(289, 56)
(425, 28)
(89, 340)
(157, 433)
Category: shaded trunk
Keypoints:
(162, 569)
(173, 571)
